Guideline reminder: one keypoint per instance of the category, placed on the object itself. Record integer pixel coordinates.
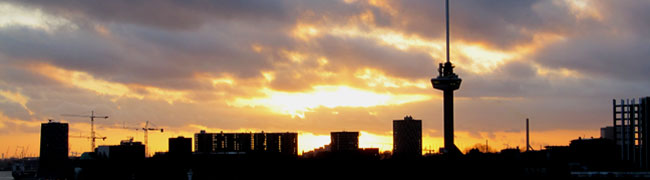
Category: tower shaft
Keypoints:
(448, 107)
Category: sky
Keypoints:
(314, 67)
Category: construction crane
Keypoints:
(92, 117)
(23, 152)
(146, 130)
(88, 137)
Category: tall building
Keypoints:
(259, 142)
(203, 142)
(630, 129)
(53, 158)
(232, 142)
(180, 145)
(407, 138)
(290, 145)
(284, 143)
(344, 141)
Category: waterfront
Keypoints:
(6, 175)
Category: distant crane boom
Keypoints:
(146, 130)
(103, 138)
(92, 117)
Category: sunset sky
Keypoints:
(318, 66)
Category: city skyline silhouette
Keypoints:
(273, 70)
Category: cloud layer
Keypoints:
(360, 64)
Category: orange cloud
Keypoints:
(376, 78)
(86, 81)
(16, 97)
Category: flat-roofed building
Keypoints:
(407, 138)
(344, 141)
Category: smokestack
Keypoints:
(528, 148)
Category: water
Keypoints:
(6, 175)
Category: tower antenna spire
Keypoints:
(447, 26)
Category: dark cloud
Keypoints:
(12, 109)
(139, 55)
(628, 17)
(153, 55)
(603, 55)
(169, 14)
(368, 53)
(145, 46)
(518, 69)
(165, 43)
(502, 24)
(512, 79)
(163, 57)
(20, 77)
(77, 51)
(616, 48)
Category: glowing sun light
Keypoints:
(296, 104)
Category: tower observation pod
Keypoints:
(447, 81)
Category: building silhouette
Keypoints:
(54, 150)
(128, 150)
(286, 143)
(369, 153)
(180, 145)
(242, 143)
(344, 146)
(316, 152)
(259, 142)
(630, 126)
(232, 142)
(407, 138)
(595, 152)
(607, 133)
(344, 141)
(203, 142)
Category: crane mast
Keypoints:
(146, 130)
(92, 117)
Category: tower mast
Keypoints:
(448, 82)
(447, 26)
